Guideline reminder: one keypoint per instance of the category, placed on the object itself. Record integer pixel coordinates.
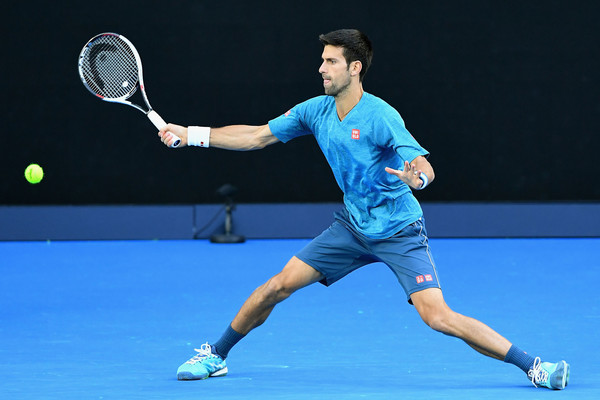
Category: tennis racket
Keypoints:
(111, 68)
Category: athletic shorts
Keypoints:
(341, 249)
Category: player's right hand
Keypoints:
(167, 133)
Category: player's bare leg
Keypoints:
(295, 275)
(210, 360)
(435, 312)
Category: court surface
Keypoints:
(114, 320)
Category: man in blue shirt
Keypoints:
(376, 163)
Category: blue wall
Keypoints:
(286, 221)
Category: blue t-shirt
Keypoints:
(371, 137)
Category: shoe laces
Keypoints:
(203, 352)
(537, 373)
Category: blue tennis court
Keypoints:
(114, 320)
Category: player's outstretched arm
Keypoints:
(411, 174)
(233, 137)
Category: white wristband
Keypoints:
(198, 136)
(425, 180)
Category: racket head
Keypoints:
(110, 67)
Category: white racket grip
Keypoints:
(160, 123)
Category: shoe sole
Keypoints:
(221, 372)
(566, 370)
(188, 376)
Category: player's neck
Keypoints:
(347, 100)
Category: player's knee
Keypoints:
(438, 323)
(276, 290)
(439, 320)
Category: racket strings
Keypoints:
(110, 68)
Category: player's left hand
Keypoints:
(410, 175)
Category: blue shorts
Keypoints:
(341, 249)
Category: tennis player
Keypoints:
(377, 163)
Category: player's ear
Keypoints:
(355, 68)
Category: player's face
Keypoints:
(334, 70)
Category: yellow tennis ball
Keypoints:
(34, 173)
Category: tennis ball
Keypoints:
(34, 173)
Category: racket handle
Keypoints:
(160, 123)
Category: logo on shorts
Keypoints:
(421, 279)
(356, 134)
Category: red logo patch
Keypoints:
(428, 278)
(288, 113)
(420, 279)
(356, 134)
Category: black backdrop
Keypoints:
(504, 94)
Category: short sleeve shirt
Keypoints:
(371, 137)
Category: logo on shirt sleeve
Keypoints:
(355, 134)
(288, 113)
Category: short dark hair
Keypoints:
(356, 45)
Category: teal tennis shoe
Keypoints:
(550, 375)
(203, 365)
